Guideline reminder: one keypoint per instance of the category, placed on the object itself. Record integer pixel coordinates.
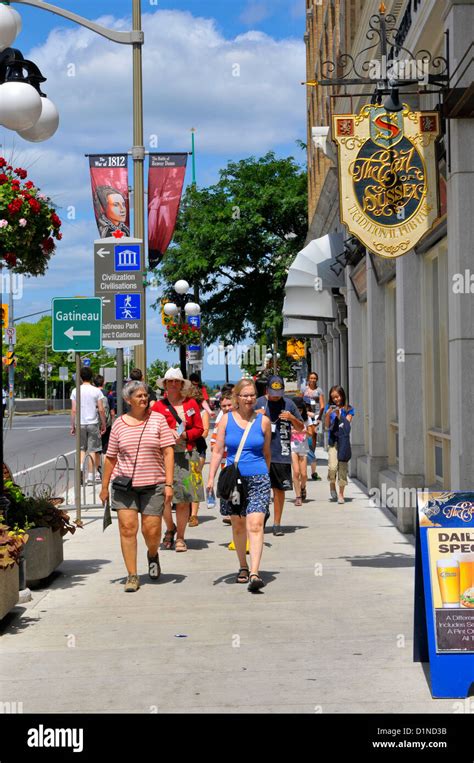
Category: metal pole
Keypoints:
(11, 347)
(77, 471)
(64, 396)
(193, 130)
(119, 385)
(138, 154)
(46, 378)
(4, 502)
(226, 365)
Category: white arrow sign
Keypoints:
(70, 333)
(102, 252)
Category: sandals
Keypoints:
(255, 583)
(180, 545)
(168, 538)
(243, 575)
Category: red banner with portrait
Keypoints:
(109, 181)
(165, 185)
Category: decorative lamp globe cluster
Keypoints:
(23, 107)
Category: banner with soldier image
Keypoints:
(109, 181)
(165, 185)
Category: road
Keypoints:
(31, 448)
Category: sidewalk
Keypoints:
(331, 632)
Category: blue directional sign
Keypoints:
(86, 362)
(127, 307)
(127, 257)
(194, 320)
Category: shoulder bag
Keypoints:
(230, 485)
(126, 483)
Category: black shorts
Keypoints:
(280, 476)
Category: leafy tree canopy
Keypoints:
(236, 240)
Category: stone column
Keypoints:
(459, 20)
(355, 371)
(335, 354)
(330, 364)
(410, 375)
(378, 444)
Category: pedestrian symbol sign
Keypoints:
(127, 307)
(77, 324)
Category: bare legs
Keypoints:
(128, 527)
(278, 502)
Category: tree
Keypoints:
(157, 370)
(236, 240)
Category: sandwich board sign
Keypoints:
(444, 590)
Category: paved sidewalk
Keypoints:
(331, 632)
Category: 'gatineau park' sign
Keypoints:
(387, 176)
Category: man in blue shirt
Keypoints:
(283, 414)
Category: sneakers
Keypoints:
(333, 495)
(132, 584)
(315, 476)
(193, 522)
(277, 530)
(298, 502)
(340, 499)
(154, 569)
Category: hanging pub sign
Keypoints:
(387, 176)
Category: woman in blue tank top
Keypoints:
(254, 465)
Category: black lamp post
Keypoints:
(181, 308)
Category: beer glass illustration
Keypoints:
(449, 582)
(466, 579)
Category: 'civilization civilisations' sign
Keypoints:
(387, 176)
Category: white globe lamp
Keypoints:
(170, 309)
(20, 105)
(8, 26)
(46, 125)
(191, 308)
(181, 287)
(18, 21)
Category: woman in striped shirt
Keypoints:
(141, 446)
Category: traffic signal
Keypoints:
(9, 359)
(4, 316)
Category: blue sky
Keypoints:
(191, 48)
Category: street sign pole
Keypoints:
(119, 385)
(64, 396)
(77, 470)
(11, 368)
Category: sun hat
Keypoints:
(276, 386)
(175, 373)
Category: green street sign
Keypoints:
(77, 324)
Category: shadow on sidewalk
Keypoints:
(13, 622)
(267, 577)
(385, 560)
(72, 572)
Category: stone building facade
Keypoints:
(402, 337)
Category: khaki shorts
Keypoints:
(145, 500)
(90, 438)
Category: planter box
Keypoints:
(43, 553)
(9, 588)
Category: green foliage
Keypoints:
(30, 352)
(38, 510)
(11, 542)
(157, 370)
(236, 240)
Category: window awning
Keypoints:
(310, 280)
(302, 327)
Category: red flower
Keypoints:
(10, 258)
(16, 185)
(2, 161)
(29, 184)
(9, 167)
(55, 220)
(59, 236)
(117, 234)
(35, 205)
(21, 173)
(48, 245)
(3, 178)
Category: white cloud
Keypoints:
(254, 12)
(241, 94)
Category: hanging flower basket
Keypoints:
(29, 224)
(182, 333)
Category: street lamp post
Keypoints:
(227, 348)
(181, 309)
(135, 38)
